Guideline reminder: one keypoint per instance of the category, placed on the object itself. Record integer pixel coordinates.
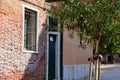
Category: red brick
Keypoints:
(16, 63)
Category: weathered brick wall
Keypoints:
(14, 63)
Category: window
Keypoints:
(52, 24)
(30, 30)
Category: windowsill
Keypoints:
(29, 51)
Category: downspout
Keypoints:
(61, 53)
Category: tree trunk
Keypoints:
(90, 70)
(97, 71)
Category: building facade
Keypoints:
(22, 39)
(30, 52)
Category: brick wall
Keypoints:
(14, 63)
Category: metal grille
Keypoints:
(30, 29)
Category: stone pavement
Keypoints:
(109, 65)
(110, 72)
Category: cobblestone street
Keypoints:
(110, 73)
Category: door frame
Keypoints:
(57, 71)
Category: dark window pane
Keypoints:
(30, 29)
(53, 25)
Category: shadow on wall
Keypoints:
(35, 69)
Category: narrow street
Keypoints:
(110, 73)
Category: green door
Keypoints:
(51, 64)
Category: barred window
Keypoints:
(30, 29)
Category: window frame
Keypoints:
(37, 24)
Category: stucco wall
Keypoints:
(14, 63)
(72, 55)
(75, 60)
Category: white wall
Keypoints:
(75, 72)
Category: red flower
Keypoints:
(91, 0)
(83, 0)
(44, 9)
(73, 28)
(112, 1)
(43, 24)
(57, 2)
(55, 8)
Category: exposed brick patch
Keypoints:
(14, 63)
(38, 74)
(10, 43)
(14, 75)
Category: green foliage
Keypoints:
(111, 40)
(96, 21)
